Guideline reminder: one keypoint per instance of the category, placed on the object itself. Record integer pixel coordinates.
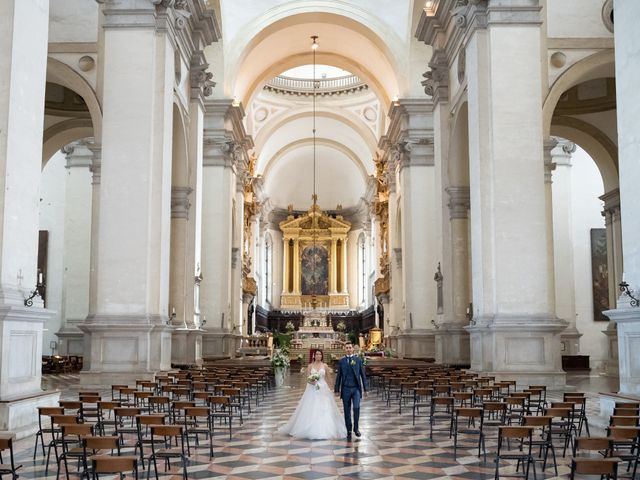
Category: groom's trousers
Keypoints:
(351, 396)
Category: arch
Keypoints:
(180, 152)
(458, 164)
(599, 147)
(63, 74)
(343, 116)
(249, 66)
(332, 59)
(60, 134)
(319, 141)
(601, 64)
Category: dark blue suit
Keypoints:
(350, 381)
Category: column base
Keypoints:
(570, 341)
(123, 349)
(20, 415)
(70, 340)
(523, 348)
(186, 346)
(627, 320)
(219, 343)
(612, 368)
(417, 343)
(21, 348)
(452, 345)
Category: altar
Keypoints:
(316, 332)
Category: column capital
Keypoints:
(180, 203)
(611, 201)
(77, 155)
(459, 202)
(436, 80)
(200, 80)
(561, 155)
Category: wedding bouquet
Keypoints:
(313, 380)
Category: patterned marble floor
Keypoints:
(390, 447)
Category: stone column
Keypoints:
(285, 265)
(218, 188)
(627, 317)
(611, 213)
(128, 330)
(565, 298)
(181, 275)
(343, 273)
(77, 246)
(411, 128)
(23, 56)
(237, 306)
(393, 308)
(452, 340)
(516, 332)
(333, 278)
(296, 267)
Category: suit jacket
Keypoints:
(345, 368)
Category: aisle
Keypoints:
(390, 447)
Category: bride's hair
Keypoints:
(313, 357)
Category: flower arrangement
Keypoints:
(280, 359)
(341, 326)
(389, 353)
(373, 349)
(289, 326)
(299, 357)
(364, 358)
(313, 379)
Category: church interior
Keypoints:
(200, 194)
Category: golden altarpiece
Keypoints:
(314, 261)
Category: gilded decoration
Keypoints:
(251, 209)
(381, 207)
(315, 260)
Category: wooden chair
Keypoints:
(92, 445)
(198, 421)
(46, 413)
(421, 399)
(543, 423)
(441, 409)
(108, 464)
(521, 453)
(168, 433)
(469, 416)
(6, 443)
(72, 445)
(57, 440)
(221, 409)
(605, 467)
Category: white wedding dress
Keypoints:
(317, 416)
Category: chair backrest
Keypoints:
(63, 419)
(166, 430)
(623, 433)
(109, 464)
(494, 406)
(92, 442)
(6, 441)
(517, 432)
(593, 443)
(442, 401)
(558, 412)
(591, 466)
(468, 412)
(626, 412)
(76, 429)
(618, 421)
(152, 419)
(537, 421)
(196, 412)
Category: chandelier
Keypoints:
(314, 207)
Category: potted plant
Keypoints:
(279, 362)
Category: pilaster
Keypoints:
(23, 55)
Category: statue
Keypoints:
(380, 310)
(438, 279)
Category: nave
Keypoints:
(391, 447)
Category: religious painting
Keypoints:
(599, 273)
(315, 271)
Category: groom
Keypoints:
(350, 382)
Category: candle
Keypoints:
(40, 278)
(173, 311)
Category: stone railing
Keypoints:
(325, 86)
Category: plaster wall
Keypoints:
(73, 21)
(586, 185)
(575, 19)
(52, 210)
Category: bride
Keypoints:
(317, 416)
